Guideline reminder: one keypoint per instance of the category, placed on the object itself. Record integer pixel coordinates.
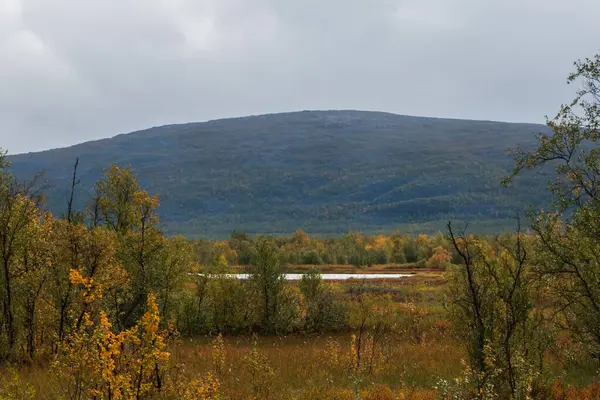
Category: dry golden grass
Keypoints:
(299, 367)
(301, 363)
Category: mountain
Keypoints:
(323, 171)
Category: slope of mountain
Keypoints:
(322, 171)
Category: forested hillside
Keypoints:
(323, 171)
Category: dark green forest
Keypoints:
(326, 172)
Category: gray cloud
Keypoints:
(72, 71)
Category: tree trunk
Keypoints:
(8, 310)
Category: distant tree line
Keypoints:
(352, 249)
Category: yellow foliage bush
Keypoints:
(218, 354)
(379, 392)
(201, 389)
(12, 386)
(96, 362)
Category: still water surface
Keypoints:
(335, 277)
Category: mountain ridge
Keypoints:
(250, 116)
(325, 171)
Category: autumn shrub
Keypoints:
(220, 303)
(218, 354)
(441, 257)
(226, 305)
(466, 387)
(560, 391)
(411, 321)
(335, 356)
(442, 326)
(288, 316)
(98, 362)
(191, 316)
(356, 360)
(489, 382)
(260, 373)
(324, 313)
(378, 392)
(374, 321)
(206, 388)
(12, 386)
(276, 302)
(492, 308)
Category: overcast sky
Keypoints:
(73, 70)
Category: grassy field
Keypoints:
(299, 366)
(420, 352)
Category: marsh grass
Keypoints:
(298, 366)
